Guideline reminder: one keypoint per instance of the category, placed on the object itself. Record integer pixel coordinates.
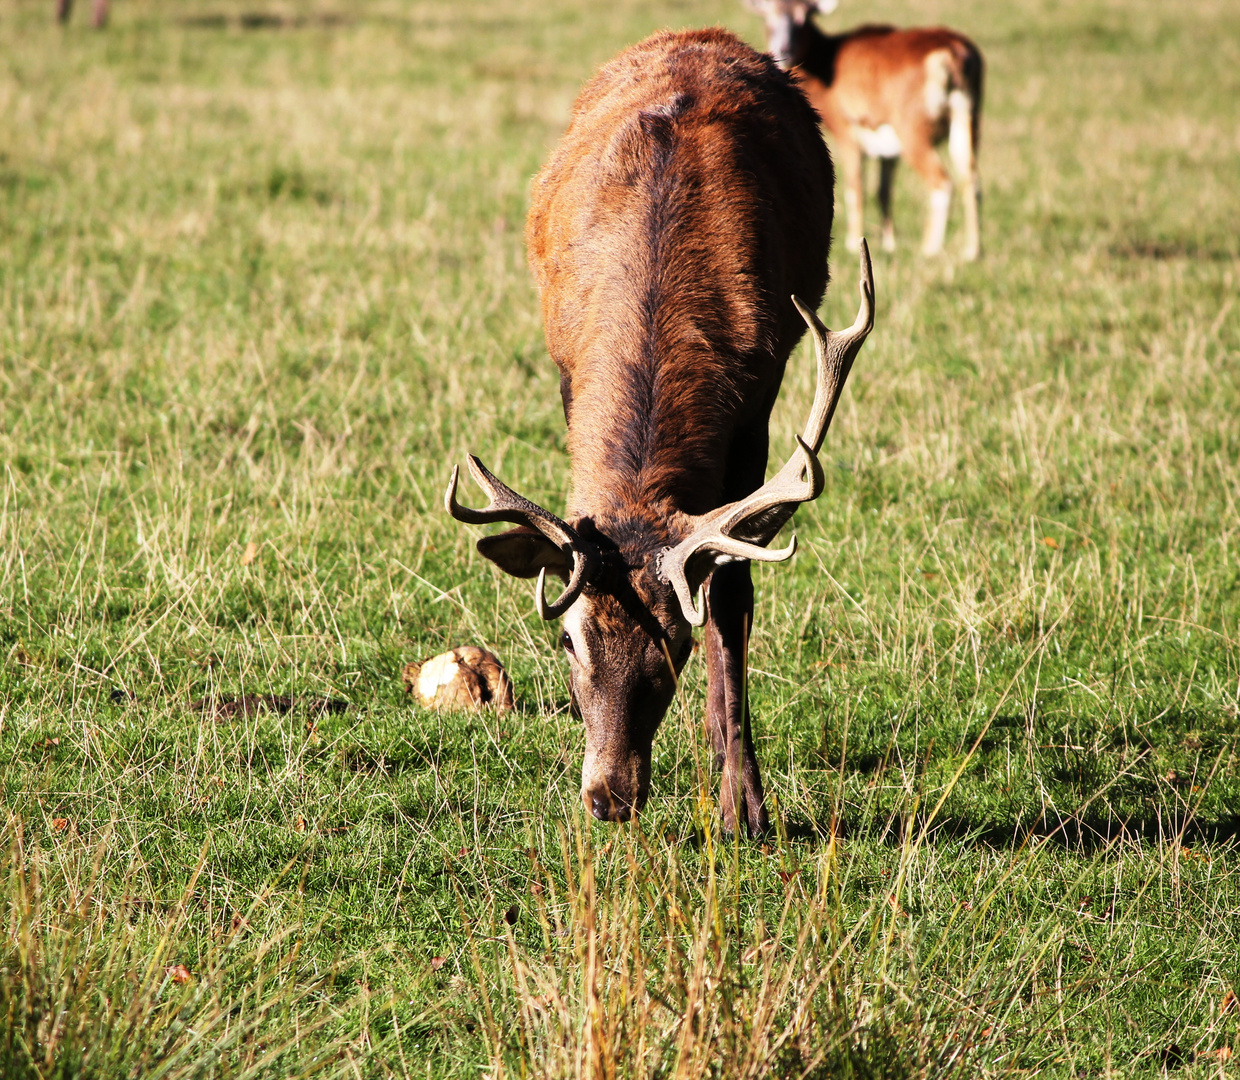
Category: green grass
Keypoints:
(262, 281)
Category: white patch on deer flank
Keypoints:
(882, 142)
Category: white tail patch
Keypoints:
(938, 79)
(960, 138)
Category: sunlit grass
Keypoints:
(262, 282)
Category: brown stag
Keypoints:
(888, 93)
(688, 201)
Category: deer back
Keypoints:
(689, 198)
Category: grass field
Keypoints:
(262, 283)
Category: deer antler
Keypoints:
(742, 529)
(506, 505)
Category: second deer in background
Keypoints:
(888, 93)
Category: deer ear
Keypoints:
(524, 552)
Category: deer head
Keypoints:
(628, 602)
(784, 21)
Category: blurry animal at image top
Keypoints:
(889, 94)
(98, 12)
(689, 200)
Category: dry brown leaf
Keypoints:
(178, 973)
(250, 553)
(1050, 542)
(510, 916)
(1229, 1004)
(300, 824)
(437, 962)
(60, 824)
(536, 889)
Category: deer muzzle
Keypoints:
(615, 786)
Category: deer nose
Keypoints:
(604, 807)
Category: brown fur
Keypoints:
(873, 76)
(690, 197)
(684, 205)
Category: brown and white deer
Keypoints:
(888, 93)
(688, 201)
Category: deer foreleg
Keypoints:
(922, 157)
(962, 147)
(730, 600)
(849, 158)
(886, 176)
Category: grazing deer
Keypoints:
(690, 197)
(888, 93)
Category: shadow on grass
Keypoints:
(1165, 250)
(1086, 834)
(264, 20)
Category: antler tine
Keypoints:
(800, 480)
(835, 352)
(504, 504)
(672, 568)
(583, 566)
(741, 530)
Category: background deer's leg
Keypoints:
(923, 157)
(962, 147)
(64, 8)
(886, 176)
(99, 14)
(848, 156)
(729, 594)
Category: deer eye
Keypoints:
(566, 641)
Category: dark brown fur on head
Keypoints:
(627, 641)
